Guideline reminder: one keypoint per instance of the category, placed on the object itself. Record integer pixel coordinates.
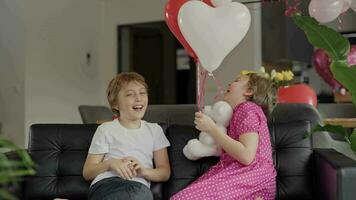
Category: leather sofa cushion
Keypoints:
(184, 171)
(59, 152)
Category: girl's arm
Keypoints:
(94, 165)
(162, 170)
(243, 150)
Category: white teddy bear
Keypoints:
(221, 113)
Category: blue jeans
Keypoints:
(116, 188)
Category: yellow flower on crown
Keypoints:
(261, 71)
(245, 72)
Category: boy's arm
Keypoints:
(162, 170)
(94, 166)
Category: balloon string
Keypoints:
(201, 85)
(198, 85)
(203, 75)
(218, 85)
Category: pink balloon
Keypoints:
(351, 58)
(325, 10)
(321, 62)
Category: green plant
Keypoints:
(337, 48)
(13, 166)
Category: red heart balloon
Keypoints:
(208, 2)
(171, 13)
(299, 93)
(321, 62)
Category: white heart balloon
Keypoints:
(213, 32)
(218, 3)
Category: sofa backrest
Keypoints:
(92, 114)
(182, 114)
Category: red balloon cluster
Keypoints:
(171, 17)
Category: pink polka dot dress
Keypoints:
(229, 179)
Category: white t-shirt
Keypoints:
(115, 141)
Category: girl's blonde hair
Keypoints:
(117, 83)
(263, 92)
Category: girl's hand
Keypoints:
(203, 122)
(136, 166)
(122, 167)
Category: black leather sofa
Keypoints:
(303, 172)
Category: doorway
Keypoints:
(151, 50)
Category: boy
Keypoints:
(121, 152)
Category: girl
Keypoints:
(245, 169)
(121, 152)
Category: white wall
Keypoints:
(44, 74)
(58, 75)
(12, 60)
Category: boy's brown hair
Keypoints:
(117, 83)
(263, 91)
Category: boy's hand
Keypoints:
(122, 167)
(136, 166)
(203, 122)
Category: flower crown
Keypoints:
(278, 78)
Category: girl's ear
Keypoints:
(248, 93)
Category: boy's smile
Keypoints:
(132, 103)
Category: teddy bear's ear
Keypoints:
(221, 113)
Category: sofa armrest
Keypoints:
(335, 175)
